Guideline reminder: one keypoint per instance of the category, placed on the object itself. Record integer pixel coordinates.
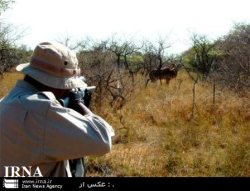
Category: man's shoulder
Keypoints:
(39, 102)
(47, 95)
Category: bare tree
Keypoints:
(102, 63)
(234, 67)
(96, 62)
(68, 41)
(121, 50)
(155, 56)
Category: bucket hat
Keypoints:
(54, 65)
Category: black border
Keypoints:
(145, 183)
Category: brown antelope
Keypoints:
(166, 73)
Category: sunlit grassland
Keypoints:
(7, 81)
(157, 136)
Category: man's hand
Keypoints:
(76, 100)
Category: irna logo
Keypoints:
(23, 171)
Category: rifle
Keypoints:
(77, 166)
(78, 94)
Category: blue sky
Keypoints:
(44, 20)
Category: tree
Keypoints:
(5, 4)
(70, 43)
(155, 56)
(199, 61)
(23, 53)
(8, 56)
(202, 57)
(234, 67)
(122, 50)
(95, 60)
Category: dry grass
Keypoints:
(155, 135)
(7, 81)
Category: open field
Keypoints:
(156, 136)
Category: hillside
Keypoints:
(156, 136)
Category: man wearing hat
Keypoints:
(37, 132)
